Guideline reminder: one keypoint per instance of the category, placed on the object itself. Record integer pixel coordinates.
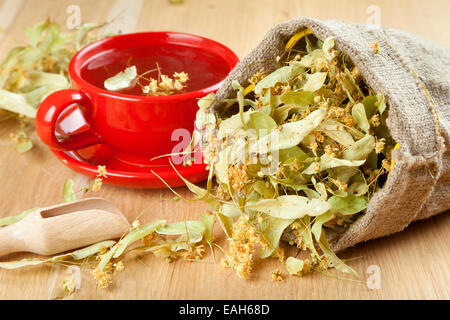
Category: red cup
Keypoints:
(135, 128)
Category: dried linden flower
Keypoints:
(277, 276)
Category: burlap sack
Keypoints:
(419, 185)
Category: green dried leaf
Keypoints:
(273, 234)
(122, 80)
(85, 252)
(319, 222)
(381, 103)
(202, 118)
(16, 103)
(35, 34)
(360, 149)
(315, 81)
(328, 44)
(50, 37)
(183, 227)
(107, 257)
(75, 255)
(337, 132)
(262, 189)
(370, 105)
(289, 135)
(21, 263)
(280, 114)
(205, 102)
(184, 241)
(283, 74)
(134, 236)
(69, 193)
(54, 80)
(208, 222)
(91, 250)
(294, 266)
(7, 221)
(24, 146)
(305, 232)
(290, 207)
(226, 223)
(81, 36)
(230, 125)
(327, 162)
(202, 194)
(31, 73)
(358, 188)
(302, 98)
(360, 117)
(230, 210)
(322, 190)
(348, 205)
(261, 122)
(337, 263)
(344, 174)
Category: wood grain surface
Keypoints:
(414, 264)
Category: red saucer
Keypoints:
(130, 175)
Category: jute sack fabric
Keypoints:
(414, 75)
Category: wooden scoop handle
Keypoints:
(12, 239)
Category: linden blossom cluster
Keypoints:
(163, 85)
(303, 155)
(166, 85)
(32, 72)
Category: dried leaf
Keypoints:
(69, 193)
(337, 132)
(327, 162)
(272, 235)
(16, 103)
(134, 236)
(280, 114)
(315, 81)
(290, 207)
(228, 126)
(282, 74)
(85, 252)
(360, 149)
(319, 222)
(262, 123)
(360, 117)
(24, 146)
(301, 98)
(370, 105)
(7, 221)
(21, 263)
(337, 263)
(226, 223)
(289, 135)
(75, 255)
(230, 210)
(328, 44)
(208, 222)
(294, 266)
(122, 80)
(182, 227)
(82, 34)
(348, 205)
(381, 103)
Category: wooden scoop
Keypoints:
(64, 227)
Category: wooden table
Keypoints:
(414, 263)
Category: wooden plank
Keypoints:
(414, 263)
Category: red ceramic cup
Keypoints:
(135, 128)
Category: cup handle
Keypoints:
(48, 114)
